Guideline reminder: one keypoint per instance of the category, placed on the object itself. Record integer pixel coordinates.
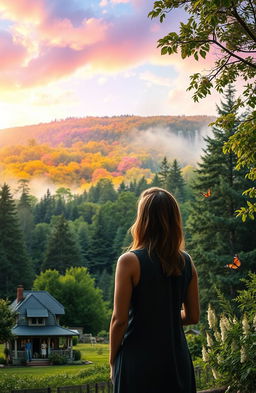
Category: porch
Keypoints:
(41, 348)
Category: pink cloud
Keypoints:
(12, 54)
(52, 64)
(61, 32)
(63, 46)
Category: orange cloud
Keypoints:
(23, 10)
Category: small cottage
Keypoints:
(37, 332)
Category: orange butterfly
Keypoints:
(207, 194)
(236, 263)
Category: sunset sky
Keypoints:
(61, 58)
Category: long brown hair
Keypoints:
(158, 228)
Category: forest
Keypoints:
(68, 243)
(78, 152)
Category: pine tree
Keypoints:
(93, 194)
(15, 266)
(25, 213)
(84, 240)
(132, 186)
(104, 283)
(214, 234)
(164, 173)
(62, 252)
(100, 250)
(141, 186)
(175, 181)
(122, 187)
(106, 191)
(156, 181)
(38, 244)
(45, 208)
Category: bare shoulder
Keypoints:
(128, 265)
(194, 272)
(128, 260)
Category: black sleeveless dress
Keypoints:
(154, 356)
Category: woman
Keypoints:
(148, 349)
(43, 349)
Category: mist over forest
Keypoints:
(77, 152)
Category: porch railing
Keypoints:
(63, 352)
(20, 355)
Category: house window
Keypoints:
(36, 321)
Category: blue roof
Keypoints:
(43, 331)
(37, 312)
(46, 300)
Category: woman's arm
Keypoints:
(126, 277)
(191, 312)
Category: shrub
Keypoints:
(2, 361)
(195, 345)
(104, 334)
(230, 349)
(75, 341)
(56, 358)
(90, 375)
(76, 354)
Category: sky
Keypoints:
(62, 58)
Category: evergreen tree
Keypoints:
(132, 186)
(106, 191)
(141, 186)
(175, 181)
(15, 265)
(156, 181)
(93, 194)
(62, 251)
(59, 207)
(45, 209)
(104, 283)
(118, 241)
(100, 250)
(80, 229)
(88, 210)
(38, 245)
(214, 234)
(25, 213)
(164, 173)
(103, 191)
(122, 187)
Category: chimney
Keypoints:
(20, 296)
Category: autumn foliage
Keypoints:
(78, 152)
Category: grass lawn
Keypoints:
(96, 353)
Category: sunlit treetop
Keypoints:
(226, 25)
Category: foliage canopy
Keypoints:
(7, 321)
(75, 289)
(228, 27)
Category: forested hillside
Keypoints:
(56, 235)
(78, 152)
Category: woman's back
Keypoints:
(154, 357)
